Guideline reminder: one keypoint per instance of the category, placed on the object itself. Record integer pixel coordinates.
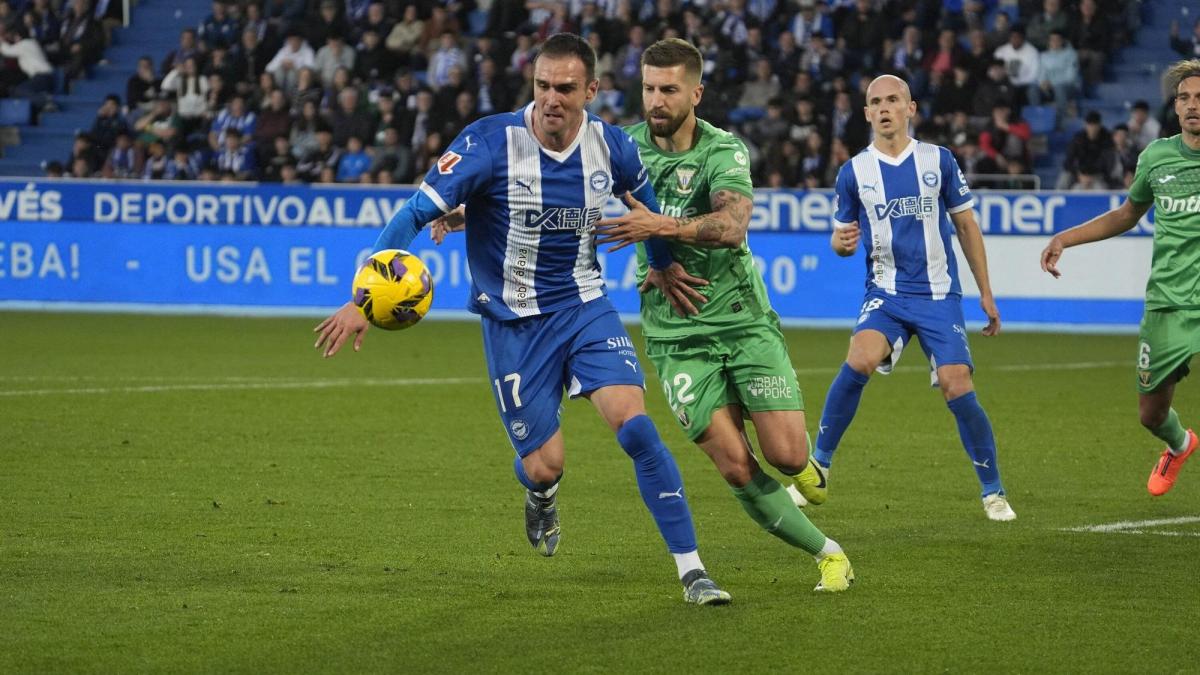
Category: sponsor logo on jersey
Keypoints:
(684, 420)
(905, 206)
(1178, 205)
(769, 386)
(446, 162)
(563, 218)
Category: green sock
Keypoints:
(1172, 432)
(769, 505)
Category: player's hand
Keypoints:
(1050, 256)
(679, 287)
(988, 304)
(454, 221)
(845, 239)
(335, 330)
(638, 225)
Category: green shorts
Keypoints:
(1166, 342)
(701, 373)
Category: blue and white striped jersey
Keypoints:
(902, 205)
(531, 211)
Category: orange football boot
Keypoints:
(1162, 479)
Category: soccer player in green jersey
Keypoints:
(1168, 178)
(713, 337)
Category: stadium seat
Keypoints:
(14, 111)
(740, 115)
(1041, 118)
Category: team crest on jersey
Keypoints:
(739, 157)
(1144, 377)
(683, 178)
(519, 429)
(446, 162)
(600, 182)
(929, 178)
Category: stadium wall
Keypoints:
(291, 250)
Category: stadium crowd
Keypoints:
(372, 91)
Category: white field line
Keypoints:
(237, 383)
(1138, 527)
(261, 384)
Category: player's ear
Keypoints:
(592, 88)
(697, 94)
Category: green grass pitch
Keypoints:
(199, 494)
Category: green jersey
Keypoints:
(1168, 174)
(684, 183)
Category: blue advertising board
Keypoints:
(273, 249)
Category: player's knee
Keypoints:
(1152, 416)
(863, 365)
(791, 456)
(955, 381)
(541, 468)
(736, 473)
(639, 437)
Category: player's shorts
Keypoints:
(938, 324)
(531, 361)
(1166, 342)
(748, 366)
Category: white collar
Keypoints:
(565, 153)
(894, 161)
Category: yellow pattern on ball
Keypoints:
(393, 289)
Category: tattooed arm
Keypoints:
(724, 227)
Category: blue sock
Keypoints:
(519, 469)
(976, 433)
(659, 482)
(840, 405)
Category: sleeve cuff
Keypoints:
(437, 200)
(961, 207)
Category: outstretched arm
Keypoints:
(971, 240)
(1106, 225)
(724, 227)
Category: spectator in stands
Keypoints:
(218, 28)
(348, 119)
(265, 34)
(1089, 157)
(977, 57)
(122, 158)
(1051, 19)
(180, 167)
(234, 116)
(219, 63)
(785, 60)
(956, 94)
(997, 37)
(393, 157)
(307, 88)
(1021, 61)
(375, 19)
(190, 90)
(821, 61)
(329, 19)
(274, 119)
(142, 88)
(627, 63)
(761, 88)
(293, 56)
(997, 89)
(109, 123)
(187, 49)
(1058, 75)
(160, 125)
(464, 113)
(54, 169)
(811, 21)
(237, 157)
(33, 72)
(806, 120)
(1188, 47)
(772, 127)
(1125, 156)
(354, 163)
(941, 61)
(303, 136)
(1005, 140)
(41, 22)
(333, 56)
(444, 59)
(494, 96)
(373, 62)
(439, 22)
(908, 60)
(155, 166)
(273, 156)
(1092, 37)
(815, 156)
(249, 58)
(839, 154)
(81, 169)
(848, 124)
(324, 157)
(81, 40)
(607, 96)
(406, 34)
(863, 30)
(1143, 128)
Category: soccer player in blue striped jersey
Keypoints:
(533, 183)
(904, 198)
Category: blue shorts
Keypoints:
(531, 361)
(938, 324)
